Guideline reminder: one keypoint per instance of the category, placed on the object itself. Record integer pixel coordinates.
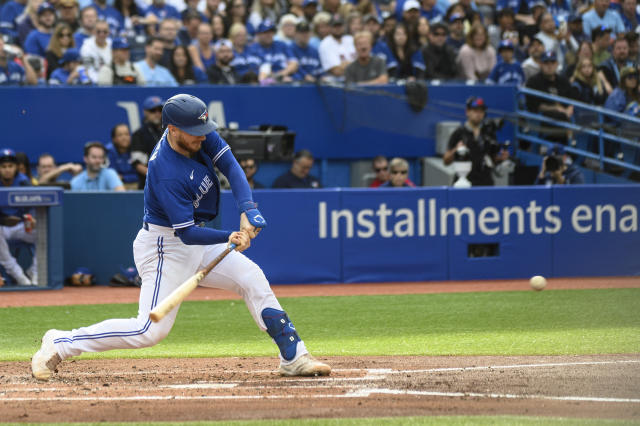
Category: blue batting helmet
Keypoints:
(188, 114)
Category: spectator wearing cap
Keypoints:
(619, 59)
(456, 37)
(405, 62)
(182, 68)
(8, 14)
(320, 28)
(222, 72)
(366, 69)
(14, 219)
(26, 22)
(146, 137)
(439, 57)
(549, 81)
(626, 93)
(191, 20)
(262, 10)
(286, 29)
(310, 68)
(68, 13)
(161, 10)
(601, 16)
(12, 73)
(201, 49)
(61, 40)
(154, 73)
(507, 70)
(309, 9)
(38, 39)
(411, 12)
(531, 66)
(88, 20)
(244, 65)
(549, 38)
(557, 168)
(629, 14)
(110, 15)
(601, 42)
(336, 50)
(70, 72)
(477, 57)
(96, 50)
(471, 137)
(277, 63)
(121, 71)
(96, 176)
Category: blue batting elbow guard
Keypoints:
(253, 214)
(282, 332)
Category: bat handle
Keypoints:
(231, 246)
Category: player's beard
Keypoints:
(190, 148)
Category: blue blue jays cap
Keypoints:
(506, 44)
(188, 114)
(46, 6)
(152, 102)
(266, 25)
(476, 102)
(7, 154)
(70, 55)
(120, 43)
(549, 56)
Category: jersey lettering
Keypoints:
(204, 187)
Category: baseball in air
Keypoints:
(538, 282)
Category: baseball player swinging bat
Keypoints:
(183, 290)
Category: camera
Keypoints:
(489, 132)
(553, 163)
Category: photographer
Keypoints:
(477, 139)
(557, 169)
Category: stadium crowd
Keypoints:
(591, 47)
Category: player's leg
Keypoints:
(241, 275)
(18, 232)
(8, 262)
(163, 263)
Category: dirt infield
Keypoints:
(596, 386)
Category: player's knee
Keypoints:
(154, 334)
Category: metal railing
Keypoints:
(602, 129)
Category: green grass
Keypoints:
(387, 421)
(495, 323)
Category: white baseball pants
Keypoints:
(164, 262)
(8, 262)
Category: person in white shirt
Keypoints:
(96, 50)
(336, 50)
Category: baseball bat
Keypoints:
(183, 290)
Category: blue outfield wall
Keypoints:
(378, 235)
(332, 122)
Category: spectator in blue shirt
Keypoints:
(8, 14)
(380, 48)
(96, 177)
(310, 68)
(162, 11)
(155, 74)
(111, 15)
(629, 15)
(600, 16)
(277, 63)
(71, 71)
(507, 70)
(119, 155)
(26, 22)
(38, 40)
(11, 73)
(245, 65)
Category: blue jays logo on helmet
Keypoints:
(204, 116)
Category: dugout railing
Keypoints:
(603, 136)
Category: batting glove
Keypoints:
(253, 214)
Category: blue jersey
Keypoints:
(504, 73)
(164, 12)
(121, 163)
(37, 43)
(12, 75)
(111, 16)
(277, 54)
(10, 11)
(309, 61)
(182, 191)
(19, 180)
(244, 62)
(381, 49)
